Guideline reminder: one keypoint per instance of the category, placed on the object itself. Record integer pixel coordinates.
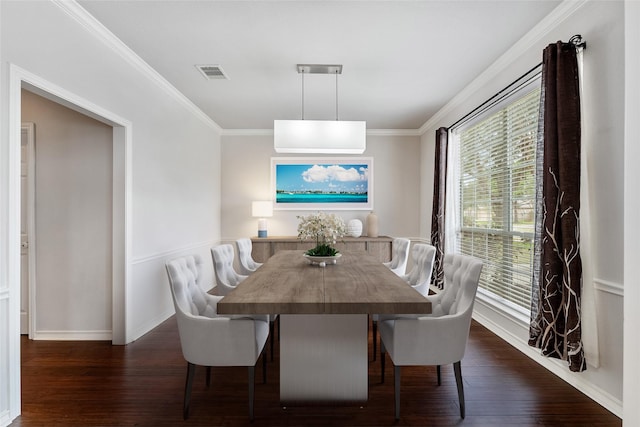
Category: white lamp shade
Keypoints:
(319, 136)
(262, 209)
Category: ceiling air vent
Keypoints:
(212, 72)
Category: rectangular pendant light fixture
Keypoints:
(319, 136)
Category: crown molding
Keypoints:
(96, 29)
(535, 35)
(247, 132)
(370, 132)
(93, 26)
(393, 132)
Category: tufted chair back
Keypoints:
(206, 338)
(226, 277)
(245, 261)
(461, 277)
(439, 338)
(184, 275)
(399, 256)
(419, 277)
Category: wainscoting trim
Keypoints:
(172, 252)
(609, 287)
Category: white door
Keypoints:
(27, 221)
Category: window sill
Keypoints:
(507, 309)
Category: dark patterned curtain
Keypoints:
(555, 314)
(438, 210)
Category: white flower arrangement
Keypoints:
(325, 229)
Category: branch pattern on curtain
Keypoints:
(438, 210)
(556, 313)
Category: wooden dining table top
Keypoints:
(358, 284)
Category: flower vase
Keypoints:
(372, 225)
(322, 261)
(354, 228)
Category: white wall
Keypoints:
(174, 194)
(631, 209)
(175, 154)
(246, 176)
(73, 221)
(601, 25)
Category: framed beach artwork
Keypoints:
(322, 183)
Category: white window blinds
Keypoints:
(496, 194)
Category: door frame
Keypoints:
(31, 225)
(122, 173)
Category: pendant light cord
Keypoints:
(336, 95)
(302, 94)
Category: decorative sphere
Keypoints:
(322, 264)
(354, 228)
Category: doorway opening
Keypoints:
(121, 187)
(68, 290)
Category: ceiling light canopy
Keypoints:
(319, 136)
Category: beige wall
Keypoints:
(73, 205)
(246, 176)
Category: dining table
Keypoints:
(324, 319)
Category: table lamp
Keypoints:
(262, 210)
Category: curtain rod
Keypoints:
(576, 40)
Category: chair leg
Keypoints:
(457, 369)
(396, 387)
(208, 376)
(264, 366)
(271, 330)
(382, 361)
(438, 373)
(375, 339)
(191, 369)
(251, 380)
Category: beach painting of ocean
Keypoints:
(322, 183)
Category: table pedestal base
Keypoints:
(323, 358)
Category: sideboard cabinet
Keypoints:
(265, 247)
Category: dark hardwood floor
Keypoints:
(142, 384)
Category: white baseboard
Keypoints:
(5, 418)
(153, 323)
(556, 367)
(72, 335)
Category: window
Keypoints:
(496, 193)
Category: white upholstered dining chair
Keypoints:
(441, 337)
(400, 256)
(419, 278)
(246, 263)
(227, 279)
(206, 338)
(226, 276)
